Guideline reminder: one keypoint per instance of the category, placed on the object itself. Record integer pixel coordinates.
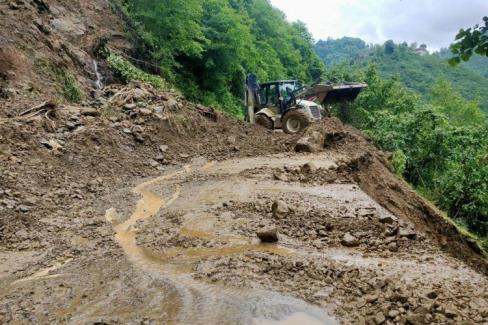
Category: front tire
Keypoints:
(264, 121)
(295, 120)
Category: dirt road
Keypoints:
(181, 248)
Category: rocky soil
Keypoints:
(139, 207)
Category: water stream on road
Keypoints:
(200, 303)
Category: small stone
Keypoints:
(88, 111)
(184, 155)
(130, 106)
(387, 219)
(349, 240)
(407, 233)
(379, 318)
(393, 247)
(153, 163)
(163, 148)
(432, 295)
(24, 208)
(51, 144)
(280, 175)
(268, 236)
(279, 208)
(308, 168)
(393, 313)
(160, 157)
(126, 130)
(70, 126)
(450, 313)
(415, 319)
(145, 111)
(231, 139)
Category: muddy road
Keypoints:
(181, 248)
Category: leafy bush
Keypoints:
(399, 162)
(127, 71)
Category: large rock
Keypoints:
(310, 143)
(268, 235)
(407, 233)
(349, 240)
(279, 208)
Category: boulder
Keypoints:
(268, 235)
(310, 143)
(349, 240)
(279, 208)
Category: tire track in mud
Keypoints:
(221, 305)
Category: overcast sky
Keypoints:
(433, 22)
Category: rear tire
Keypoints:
(264, 121)
(295, 120)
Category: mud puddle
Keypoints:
(199, 303)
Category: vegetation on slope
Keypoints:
(439, 146)
(206, 47)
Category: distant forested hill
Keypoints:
(415, 67)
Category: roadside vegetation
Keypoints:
(440, 146)
(206, 47)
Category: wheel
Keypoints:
(264, 121)
(295, 120)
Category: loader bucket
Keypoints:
(343, 93)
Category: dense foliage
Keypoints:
(439, 146)
(415, 67)
(470, 41)
(206, 47)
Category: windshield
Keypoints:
(286, 90)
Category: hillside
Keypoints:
(123, 201)
(418, 72)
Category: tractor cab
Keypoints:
(278, 94)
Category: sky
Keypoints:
(433, 22)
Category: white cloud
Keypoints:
(434, 22)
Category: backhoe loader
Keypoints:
(285, 104)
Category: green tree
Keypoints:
(470, 41)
